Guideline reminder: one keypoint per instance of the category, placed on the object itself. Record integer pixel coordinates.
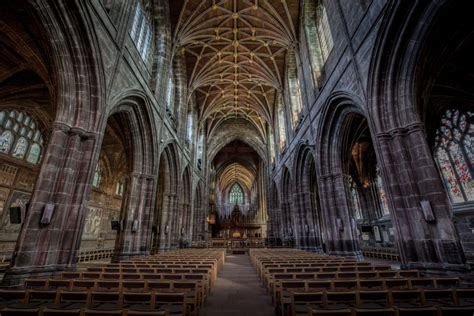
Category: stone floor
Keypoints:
(238, 291)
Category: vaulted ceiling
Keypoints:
(235, 55)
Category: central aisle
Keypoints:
(238, 291)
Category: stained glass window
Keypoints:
(170, 94)
(96, 179)
(236, 195)
(318, 36)
(355, 199)
(119, 188)
(20, 148)
(382, 194)
(141, 31)
(454, 154)
(272, 146)
(281, 124)
(16, 138)
(6, 140)
(294, 89)
(34, 154)
(190, 127)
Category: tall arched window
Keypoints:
(97, 176)
(281, 124)
(454, 154)
(141, 31)
(190, 128)
(271, 143)
(382, 194)
(200, 148)
(318, 36)
(236, 195)
(170, 94)
(20, 136)
(355, 198)
(294, 89)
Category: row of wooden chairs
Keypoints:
(122, 291)
(76, 300)
(283, 288)
(398, 311)
(356, 292)
(46, 311)
(303, 302)
(271, 281)
(192, 288)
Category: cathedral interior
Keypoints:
(229, 157)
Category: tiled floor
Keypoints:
(238, 291)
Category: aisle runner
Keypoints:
(238, 291)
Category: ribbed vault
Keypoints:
(235, 54)
(236, 172)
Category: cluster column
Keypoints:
(135, 235)
(426, 235)
(48, 244)
(339, 237)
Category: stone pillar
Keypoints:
(310, 227)
(426, 238)
(135, 237)
(166, 221)
(340, 238)
(64, 181)
(174, 229)
(298, 220)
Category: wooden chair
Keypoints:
(69, 300)
(336, 312)
(439, 297)
(456, 310)
(59, 312)
(388, 311)
(302, 302)
(94, 312)
(105, 301)
(373, 299)
(417, 311)
(8, 311)
(39, 284)
(340, 300)
(11, 297)
(138, 301)
(174, 303)
(406, 298)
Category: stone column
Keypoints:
(174, 229)
(310, 226)
(63, 181)
(135, 237)
(165, 223)
(298, 220)
(426, 238)
(339, 236)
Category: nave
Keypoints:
(262, 282)
(156, 154)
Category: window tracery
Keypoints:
(454, 154)
(236, 195)
(20, 136)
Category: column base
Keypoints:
(117, 257)
(356, 254)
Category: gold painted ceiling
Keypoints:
(235, 54)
